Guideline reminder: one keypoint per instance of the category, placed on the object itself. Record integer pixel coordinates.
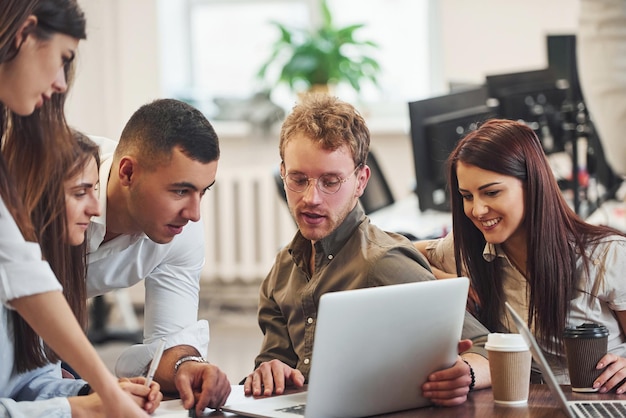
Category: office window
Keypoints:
(214, 48)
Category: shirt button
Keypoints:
(330, 256)
(307, 361)
(309, 320)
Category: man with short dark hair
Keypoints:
(164, 163)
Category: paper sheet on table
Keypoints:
(174, 408)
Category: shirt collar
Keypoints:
(331, 244)
(492, 251)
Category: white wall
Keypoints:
(484, 37)
(118, 64)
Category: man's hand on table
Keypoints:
(271, 378)
(201, 385)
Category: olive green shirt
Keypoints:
(356, 255)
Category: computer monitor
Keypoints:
(437, 123)
(550, 102)
(535, 97)
(562, 61)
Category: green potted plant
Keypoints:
(314, 59)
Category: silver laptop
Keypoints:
(373, 350)
(573, 409)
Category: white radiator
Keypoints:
(246, 223)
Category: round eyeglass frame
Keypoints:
(308, 182)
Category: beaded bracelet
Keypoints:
(472, 375)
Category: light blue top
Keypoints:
(38, 393)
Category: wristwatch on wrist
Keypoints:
(85, 390)
(182, 360)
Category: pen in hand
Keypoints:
(155, 361)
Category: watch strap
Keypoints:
(184, 359)
(85, 390)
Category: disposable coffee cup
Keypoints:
(509, 366)
(585, 345)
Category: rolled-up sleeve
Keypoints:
(23, 272)
(610, 265)
(135, 359)
(50, 408)
(440, 253)
(45, 382)
(41, 392)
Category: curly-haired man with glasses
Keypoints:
(324, 145)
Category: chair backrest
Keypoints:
(279, 184)
(376, 196)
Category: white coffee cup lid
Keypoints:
(505, 342)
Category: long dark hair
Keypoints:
(50, 220)
(48, 217)
(42, 138)
(555, 235)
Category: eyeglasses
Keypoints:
(326, 183)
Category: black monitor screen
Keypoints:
(437, 123)
(442, 133)
(535, 97)
(562, 61)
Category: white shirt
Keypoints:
(172, 279)
(40, 392)
(22, 270)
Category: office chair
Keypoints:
(99, 332)
(279, 184)
(376, 196)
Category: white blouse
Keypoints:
(23, 272)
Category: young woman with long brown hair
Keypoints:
(518, 240)
(38, 41)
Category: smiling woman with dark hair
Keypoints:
(518, 240)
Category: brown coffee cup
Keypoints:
(585, 345)
(509, 366)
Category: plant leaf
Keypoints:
(324, 55)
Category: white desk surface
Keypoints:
(611, 213)
(404, 216)
(174, 408)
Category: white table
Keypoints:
(405, 217)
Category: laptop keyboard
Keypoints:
(297, 410)
(599, 409)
